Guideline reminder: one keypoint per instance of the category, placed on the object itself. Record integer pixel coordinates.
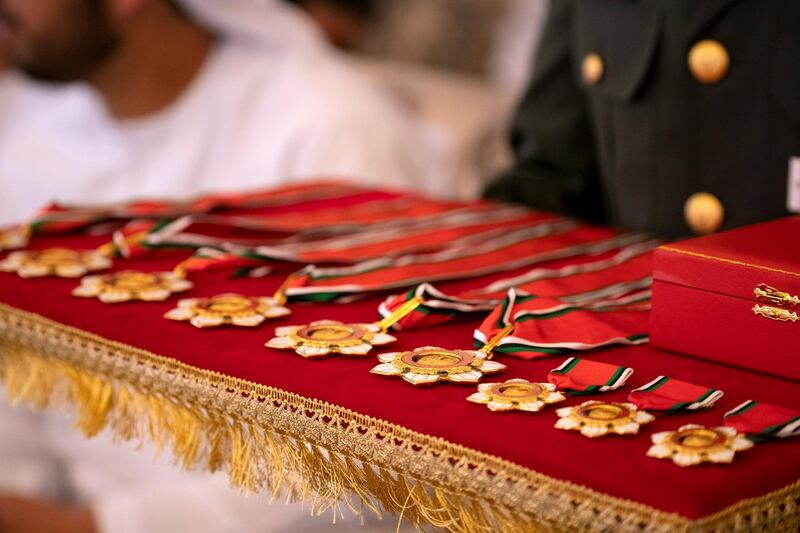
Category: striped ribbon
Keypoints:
(549, 326)
(373, 239)
(672, 395)
(581, 377)
(57, 218)
(473, 256)
(584, 279)
(381, 238)
(761, 421)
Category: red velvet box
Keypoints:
(732, 297)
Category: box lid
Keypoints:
(738, 261)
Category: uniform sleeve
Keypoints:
(555, 165)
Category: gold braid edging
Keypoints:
(328, 456)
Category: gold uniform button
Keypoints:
(704, 213)
(592, 68)
(708, 61)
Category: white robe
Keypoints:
(252, 118)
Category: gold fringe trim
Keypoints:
(325, 455)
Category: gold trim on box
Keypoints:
(729, 261)
(324, 454)
(775, 313)
(775, 296)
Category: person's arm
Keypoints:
(555, 165)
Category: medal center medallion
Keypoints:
(604, 412)
(56, 257)
(229, 305)
(134, 281)
(437, 359)
(698, 439)
(516, 390)
(329, 333)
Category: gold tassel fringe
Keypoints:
(310, 451)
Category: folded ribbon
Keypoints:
(673, 395)
(579, 376)
(762, 420)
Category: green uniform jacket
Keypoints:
(630, 148)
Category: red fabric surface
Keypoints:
(724, 329)
(616, 466)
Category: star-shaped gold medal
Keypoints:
(130, 285)
(325, 337)
(595, 419)
(60, 262)
(692, 444)
(516, 394)
(230, 309)
(429, 364)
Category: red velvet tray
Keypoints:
(520, 470)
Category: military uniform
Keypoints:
(636, 105)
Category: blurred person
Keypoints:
(145, 101)
(674, 116)
(138, 98)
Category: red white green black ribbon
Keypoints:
(436, 307)
(507, 250)
(374, 240)
(56, 218)
(760, 420)
(580, 376)
(593, 280)
(673, 395)
(418, 235)
(549, 326)
(634, 260)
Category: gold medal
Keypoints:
(60, 262)
(430, 364)
(516, 394)
(325, 337)
(130, 285)
(14, 238)
(692, 444)
(227, 309)
(595, 419)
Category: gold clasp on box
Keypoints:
(775, 313)
(774, 296)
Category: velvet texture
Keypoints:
(614, 465)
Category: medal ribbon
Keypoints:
(56, 218)
(546, 241)
(672, 395)
(415, 235)
(761, 420)
(579, 376)
(431, 233)
(580, 281)
(549, 326)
